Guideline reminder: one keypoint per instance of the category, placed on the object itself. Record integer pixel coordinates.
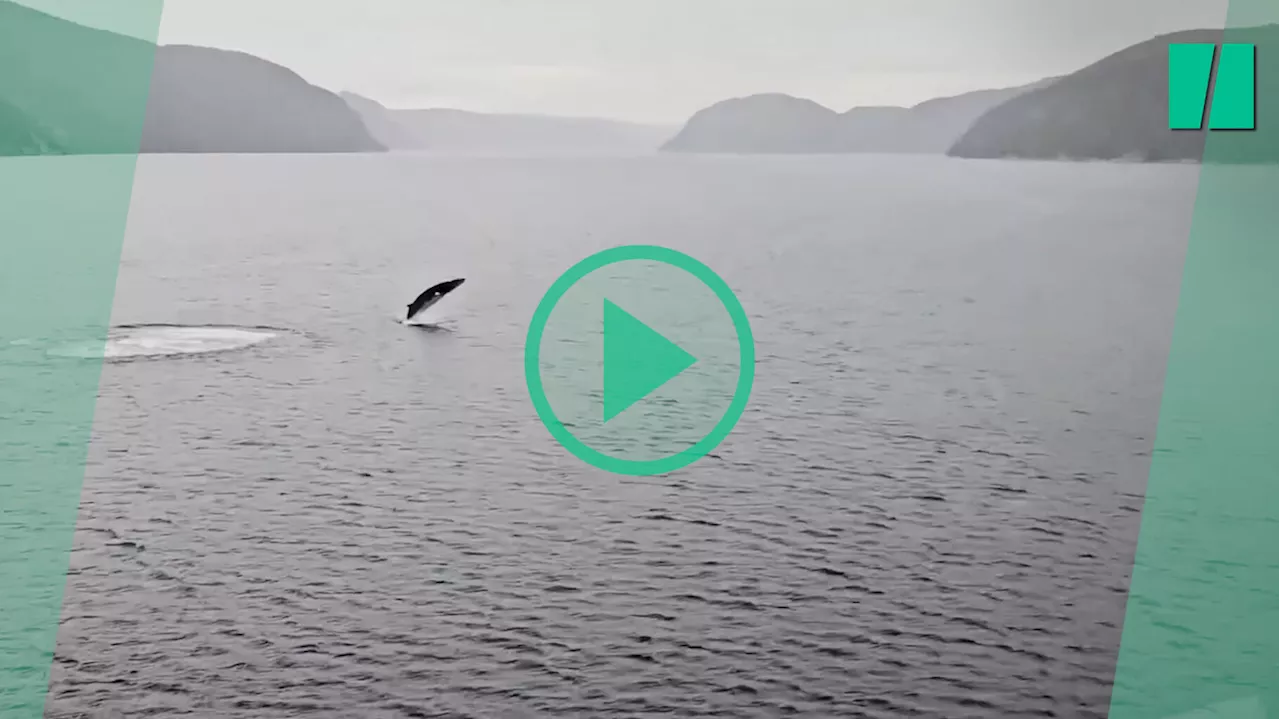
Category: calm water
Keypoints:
(929, 508)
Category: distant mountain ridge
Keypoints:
(70, 89)
(778, 123)
(87, 89)
(451, 130)
(209, 100)
(1117, 108)
(21, 135)
(380, 122)
(1113, 109)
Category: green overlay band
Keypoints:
(1200, 629)
(61, 229)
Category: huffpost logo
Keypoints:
(1194, 79)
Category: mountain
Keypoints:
(381, 123)
(95, 91)
(1118, 108)
(208, 100)
(939, 122)
(765, 123)
(88, 86)
(21, 135)
(462, 131)
(777, 123)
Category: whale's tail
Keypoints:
(431, 296)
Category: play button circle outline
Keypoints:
(742, 389)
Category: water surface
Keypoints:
(929, 508)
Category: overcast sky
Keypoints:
(661, 60)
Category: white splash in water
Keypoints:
(166, 341)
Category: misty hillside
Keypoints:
(381, 124)
(462, 131)
(94, 91)
(777, 123)
(86, 86)
(21, 135)
(1118, 108)
(764, 123)
(207, 100)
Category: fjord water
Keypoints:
(929, 508)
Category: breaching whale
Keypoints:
(431, 296)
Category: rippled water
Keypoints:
(929, 508)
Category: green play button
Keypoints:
(639, 360)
